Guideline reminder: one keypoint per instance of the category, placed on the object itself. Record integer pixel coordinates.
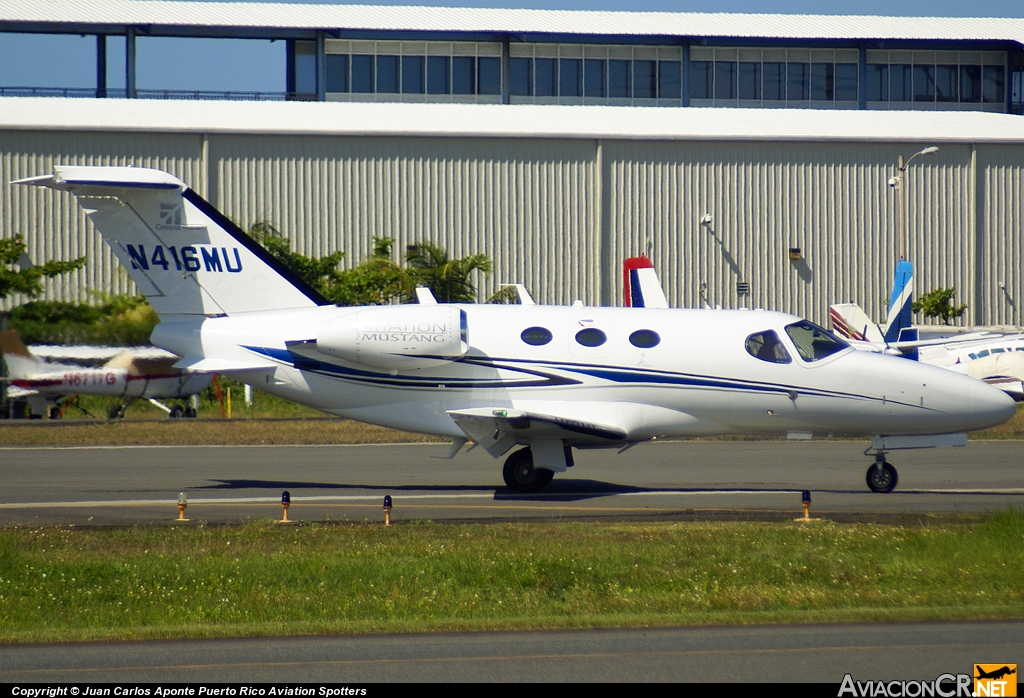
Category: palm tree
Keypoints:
(448, 279)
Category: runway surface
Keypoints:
(815, 653)
(760, 480)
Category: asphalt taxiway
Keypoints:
(672, 479)
(810, 653)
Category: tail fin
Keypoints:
(850, 320)
(899, 321)
(185, 257)
(20, 361)
(642, 288)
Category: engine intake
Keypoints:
(397, 337)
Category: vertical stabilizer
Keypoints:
(20, 361)
(850, 321)
(184, 256)
(899, 320)
(642, 288)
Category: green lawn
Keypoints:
(59, 584)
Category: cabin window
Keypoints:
(983, 353)
(973, 356)
(767, 347)
(591, 337)
(998, 351)
(644, 339)
(536, 336)
(814, 343)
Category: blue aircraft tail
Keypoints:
(899, 320)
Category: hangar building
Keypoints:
(750, 156)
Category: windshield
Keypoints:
(814, 343)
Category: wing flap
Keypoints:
(500, 428)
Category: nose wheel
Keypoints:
(881, 476)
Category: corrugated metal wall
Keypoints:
(53, 225)
(831, 201)
(529, 205)
(560, 215)
(1000, 221)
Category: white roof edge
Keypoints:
(280, 15)
(504, 121)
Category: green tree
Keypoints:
(378, 280)
(448, 279)
(320, 273)
(120, 320)
(19, 275)
(939, 304)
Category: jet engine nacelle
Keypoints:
(397, 337)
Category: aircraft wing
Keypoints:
(499, 429)
(202, 364)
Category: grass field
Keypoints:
(267, 423)
(60, 584)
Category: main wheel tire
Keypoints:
(882, 480)
(117, 412)
(177, 412)
(190, 413)
(521, 476)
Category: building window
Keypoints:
(926, 79)
(620, 83)
(387, 74)
(362, 73)
(546, 74)
(489, 76)
(569, 84)
(750, 81)
(463, 75)
(520, 77)
(438, 75)
(413, 71)
(725, 81)
(337, 73)
(645, 80)
(774, 81)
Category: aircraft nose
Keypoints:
(988, 406)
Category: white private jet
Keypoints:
(127, 374)
(548, 378)
(994, 358)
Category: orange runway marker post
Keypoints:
(387, 510)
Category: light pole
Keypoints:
(899, 183)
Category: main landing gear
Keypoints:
(521, 476)
(881, 476)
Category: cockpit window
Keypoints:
(814, 343)
(767, 347)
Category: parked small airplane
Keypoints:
(994, 358)
(548, 378)
(129, 374)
